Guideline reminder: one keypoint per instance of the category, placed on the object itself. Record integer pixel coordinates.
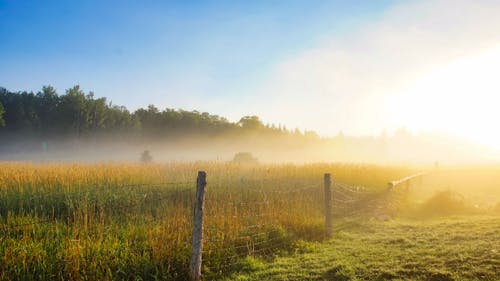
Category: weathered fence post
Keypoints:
(197, 239)
(328, 205)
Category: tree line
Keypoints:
(76, 114)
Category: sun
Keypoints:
(461, 99)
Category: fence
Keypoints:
(228, 223)
(341, 201)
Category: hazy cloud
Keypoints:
(348, 83)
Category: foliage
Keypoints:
(80, 115)
(2, 111)
(146, 156)
(445, 203)
(251, 123)
(244, 157)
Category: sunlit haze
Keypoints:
(460, 98)
(364, 69)
(255, 140)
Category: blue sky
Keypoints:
(167, 53)
(354, 66)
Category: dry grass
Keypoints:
(112, 221)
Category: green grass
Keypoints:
(113, 221)
(456, 248)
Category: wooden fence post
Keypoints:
(328, 205)
(197, 239)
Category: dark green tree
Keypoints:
(76, 114)
(74, 111)
(2, 111)
(251, 123)
(47, 107)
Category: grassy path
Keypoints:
(459, 248)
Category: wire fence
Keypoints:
(253, 220)
(257, 217)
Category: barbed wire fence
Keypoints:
(253, 220)
(223, 246)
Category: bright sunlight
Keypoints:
(250, 140)
(459, 99)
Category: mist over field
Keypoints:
(77, 126)
(250, 140)
(286, 147)
(282, 149)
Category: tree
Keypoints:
(76, 114)
(19, 111)
(146, 156)
(2, 110)
(74, 108)
(251, 123)
(244, 157)
(47, 106)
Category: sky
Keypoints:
(359, 67)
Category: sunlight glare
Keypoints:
(460, 99)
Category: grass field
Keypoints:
(455, 248)
(134, 222)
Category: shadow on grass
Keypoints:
(338, 272)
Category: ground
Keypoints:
(456, 248)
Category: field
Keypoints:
(134, 222)
(456, 248)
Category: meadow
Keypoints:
(441, 249)
(129, 221)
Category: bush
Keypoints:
(496, 209)
(445, 203)
(245, 157)
(146, 156)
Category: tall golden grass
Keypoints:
(133, 221)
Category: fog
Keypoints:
(402, 147)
